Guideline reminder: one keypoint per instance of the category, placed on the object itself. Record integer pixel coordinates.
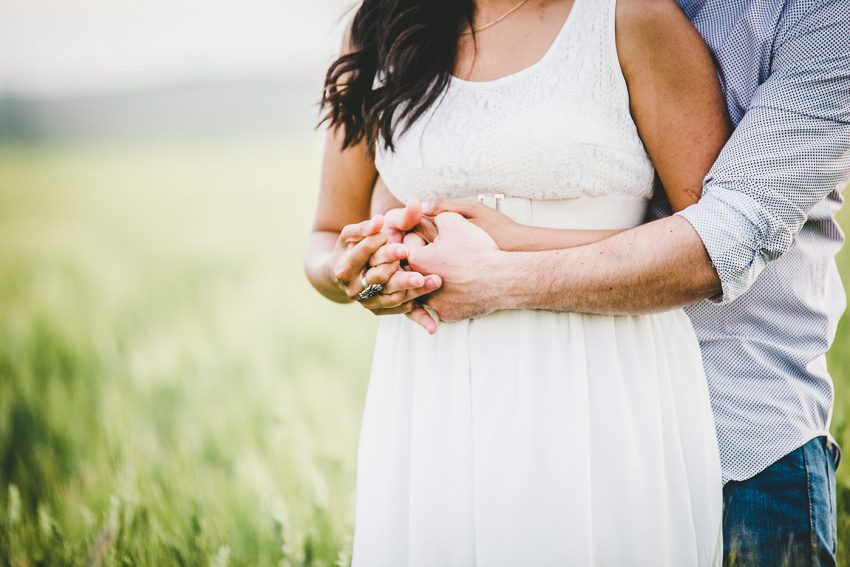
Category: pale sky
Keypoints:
(60, 47)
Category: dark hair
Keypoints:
(411, 46)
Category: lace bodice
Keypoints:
(558, 129)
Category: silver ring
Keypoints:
(369, 290)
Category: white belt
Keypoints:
(603, 212)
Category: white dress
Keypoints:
(535, 437)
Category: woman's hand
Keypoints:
(363, 247)
(501, 228)
(403, 227)
(354, 246)
(401, 286)
(408, 219)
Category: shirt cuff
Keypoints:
(728, 222)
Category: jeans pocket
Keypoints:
(834, 450)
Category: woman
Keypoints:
(521, 437)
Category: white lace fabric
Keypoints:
(558, 129)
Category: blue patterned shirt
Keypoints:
(767, 219)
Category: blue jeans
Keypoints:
(785, 515)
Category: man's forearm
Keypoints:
(657, 266)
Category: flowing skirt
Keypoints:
(538, 438)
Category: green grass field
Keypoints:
(172, 391)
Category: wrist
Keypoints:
(511, 238)
(336, 289)
(504, 272)
(532, 281)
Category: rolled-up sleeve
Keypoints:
(789, 152)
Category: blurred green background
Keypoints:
(172, 391)
(171, 388)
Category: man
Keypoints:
(755, 256)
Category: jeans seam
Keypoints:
(830, 484)
(812, 544)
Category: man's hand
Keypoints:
(463, 256)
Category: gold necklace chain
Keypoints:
(497, 20)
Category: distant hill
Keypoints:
(201, 109)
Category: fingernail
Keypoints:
(432, 283)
